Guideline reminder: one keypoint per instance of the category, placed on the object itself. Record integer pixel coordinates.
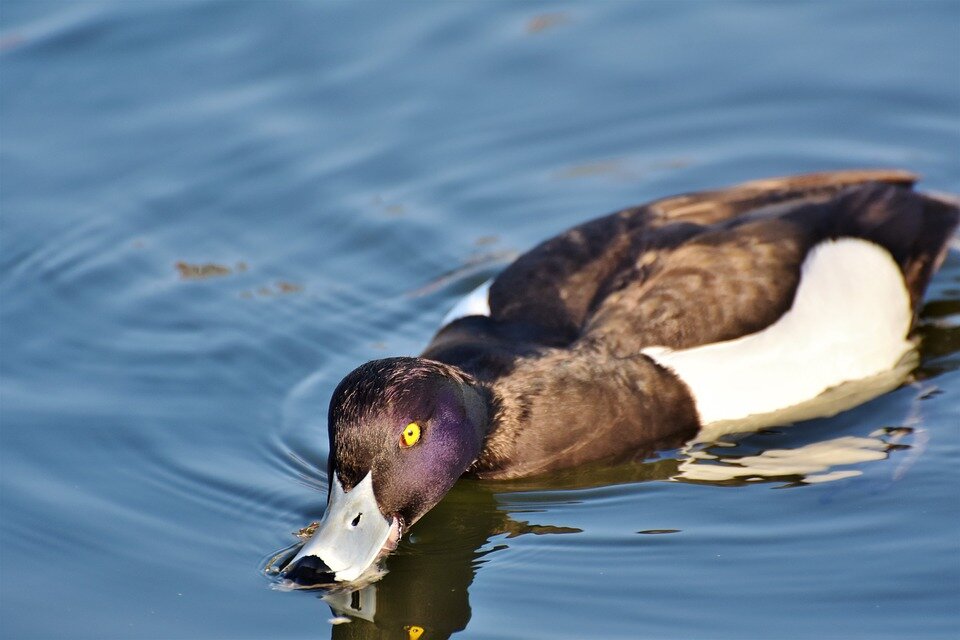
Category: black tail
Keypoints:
(916, 228)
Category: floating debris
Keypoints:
(288, 287)
(190, 271)
(656, 532)
(307, 531)
(620, 169)
(544, 21)
(282, 287)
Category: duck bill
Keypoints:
(349, 539)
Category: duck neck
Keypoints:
(479, 413)
(576, 406)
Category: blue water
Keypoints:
(212, 211)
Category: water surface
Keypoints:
(212, 211)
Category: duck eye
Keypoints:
(410, 435)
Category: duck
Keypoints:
(630, 333)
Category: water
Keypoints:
(345, 171)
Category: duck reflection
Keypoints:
(424, 592)
(421, 591)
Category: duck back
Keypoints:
(679, 299)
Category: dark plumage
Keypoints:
(569, 318)
(554, 375)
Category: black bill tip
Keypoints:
(308, 571)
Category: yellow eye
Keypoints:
(410, 435)
(414, 632)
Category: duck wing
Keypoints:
(559, 284)
(689, 270)
(741, 274)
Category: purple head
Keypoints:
(402, 430)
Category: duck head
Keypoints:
(402, 430)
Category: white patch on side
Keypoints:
(849, 320)
(476, 303)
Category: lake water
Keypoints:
(212, 211)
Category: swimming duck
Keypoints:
(631, 332)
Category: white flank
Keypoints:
(849, 320)
(476, 303)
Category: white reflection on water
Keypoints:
(816, 462)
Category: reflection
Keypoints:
(425, 587)
(812, 463)
(422, 589)
(940, 332)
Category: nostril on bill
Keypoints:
(309, 570)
